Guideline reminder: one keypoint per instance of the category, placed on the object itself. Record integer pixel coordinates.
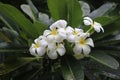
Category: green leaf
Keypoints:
(111, 73)
(85, 8)
(16, 16)
(3, 45)
(7, 68)
(75, 13)
(26, 9)
(110, 41)
(33, 8)
(104, 20)
(4, 49)
(104, 9)
(58, 9)
(40, 27)
(72, 69)
(11, 34)
(7, 24)
(104, 59)
(108, 72)
(44, 18)
(4, 38)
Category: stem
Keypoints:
(14, 50)
(6, 22)
(89, 29)
(6, 39)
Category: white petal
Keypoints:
(32, 51)
(97, 26)
(36, 40)
(69, 30)
(78, 30)
(59, 24)
(51, 46)
(40, 51)
(61, 50)
(43, 43)
(62, 24)
(58, 38)
(77, 49)
(52, 55)
(71, 38)
(86, 49)
(41, 37)
(46, 32)
(88, 21)
(51, 38)
(62, 33)
(90, 42)
(84, 35)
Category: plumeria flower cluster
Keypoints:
(52, 42)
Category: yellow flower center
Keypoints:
(75, 33)
(54, 32)
(82, 41)
(37, 45)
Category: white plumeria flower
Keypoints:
(38, 48)
(97, 26)
(82, 44)
(54, 35)
(73, 34)
(55, 49)
(89, 22)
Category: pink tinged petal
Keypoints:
(89, 41)
(86, 49)
(88, 21)
(77, 49)
(52, 55)
(47, 32)
(40, 51)
(61, 50)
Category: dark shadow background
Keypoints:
(42, 4)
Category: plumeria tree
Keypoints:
(70, 42)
